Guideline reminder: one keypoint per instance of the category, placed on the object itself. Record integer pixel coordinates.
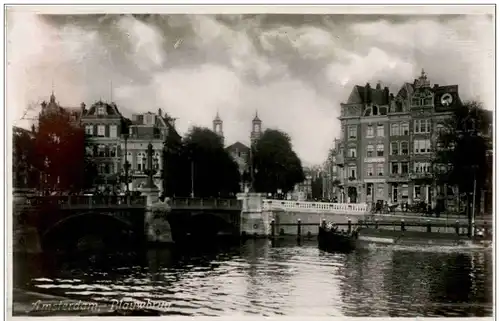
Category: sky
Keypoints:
(294, 70)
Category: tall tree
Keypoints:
(174, 169)
(275, 164)
(208, 170)
(462, 156)
(59, 153)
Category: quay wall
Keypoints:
(307, 218)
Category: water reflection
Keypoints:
(266, 279)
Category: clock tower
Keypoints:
(217, 127)
(256, 129)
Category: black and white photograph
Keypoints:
(265, 161)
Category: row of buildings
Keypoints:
(387, 142)
(117, 141)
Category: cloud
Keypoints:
(294, 70)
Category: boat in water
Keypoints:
(331, 239)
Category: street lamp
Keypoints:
(149, 169)
(126, 165)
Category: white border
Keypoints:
(390, 7)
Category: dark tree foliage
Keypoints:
(200, 164)
(174, 169)
(55, 153)
(276, 165)
(463, 150)
(317, 188)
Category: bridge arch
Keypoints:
(211, 223)
(110, 230)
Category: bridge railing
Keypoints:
(270, 204)
(80, 201)
(205, 203)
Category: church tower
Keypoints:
(217, 127)
(256, 129)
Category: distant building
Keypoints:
(144, 128)
(20, 167)
(104, 124)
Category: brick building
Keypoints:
(388, 140)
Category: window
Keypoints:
(380, 130)
(101, 130)
(380, 169)
(394, 148)
(369, 151)
(89, 130)
(369, 189)
(394, 168)
(369, 131)
(141, 165)
(404, 190)
(422, 146)
(404, 148)
(100, 110)
(404, 168)
(352, 132)
(422, 167)
(380, 150)
(439, 129)
(380, 190)
(422, 126)
(352, 152)
(369, 169)
(394, 129)
(113, 131)
(405, 129)
(416, 192)
(352, 172)
(334, 169)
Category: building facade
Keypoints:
(143, 129)
(388, 140)
(104, 124)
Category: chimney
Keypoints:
(159, 112)
(82, 107)
(368, 91)
(379, 86)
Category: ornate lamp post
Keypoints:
(126, 166)
(150, 170)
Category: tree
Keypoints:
(24, 174)
(317, 187)
(174, 171)
(275, 164)
(462, 151)
(205, 168)
(59, 153)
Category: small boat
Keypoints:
(331, 239)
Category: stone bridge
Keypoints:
(64, 221)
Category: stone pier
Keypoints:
(157, 228)
(255, 221)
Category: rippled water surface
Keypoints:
(285, 279)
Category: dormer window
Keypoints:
(100, 110)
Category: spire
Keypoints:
(217, 117)
(256, 118)
(52, 96)
(422, 80)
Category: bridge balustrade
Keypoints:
(80, 201)
(341, 208)
(205, 203)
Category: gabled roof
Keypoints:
(110, 108)
(237, 146)
(375, 95)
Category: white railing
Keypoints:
(341, 208)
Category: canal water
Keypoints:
(266, 279)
